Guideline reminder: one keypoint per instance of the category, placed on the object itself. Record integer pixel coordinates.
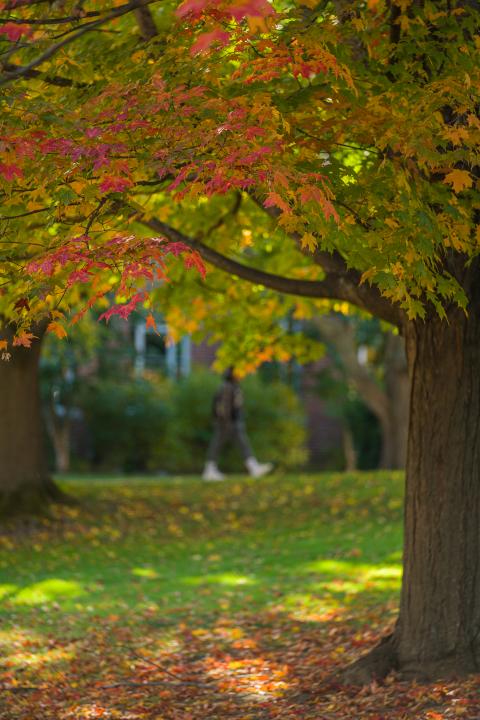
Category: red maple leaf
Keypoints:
(191, 7)
(10, 171)
(14, 31)
(251, 8)
(115, 184)
(205, 40)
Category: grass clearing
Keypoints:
(258, 589)
(171, 544)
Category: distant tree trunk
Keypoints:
(389, 405)
(59, 429)
(394, 421)
(25, 485)
(349, 449)
(438, 630)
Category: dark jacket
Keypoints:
(228, 402)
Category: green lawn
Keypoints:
(309, 544)
(173, 599)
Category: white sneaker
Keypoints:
(212, 473)
(256, 469)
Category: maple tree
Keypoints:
(352, 129)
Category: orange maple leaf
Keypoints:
(57, 329)
(150, 323)
(24, 339)
(459, 179)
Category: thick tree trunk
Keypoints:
(438, 630)
(25, 485)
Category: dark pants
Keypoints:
(224, 431)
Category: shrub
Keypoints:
(127, 420)
(155, 424)
(274, 418)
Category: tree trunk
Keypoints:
(394, 421)
(349, 449)
(438, 629)
(59, 430)
(25, 485)
(389, 405)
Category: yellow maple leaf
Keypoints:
(392, 223)
(459, 179)
(3, 344)
(163, 212)
(308, 241)
(257, 24)
(368, 274)
(78, 186)
(456, 135)
(34, 205)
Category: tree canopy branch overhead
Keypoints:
(333, 287)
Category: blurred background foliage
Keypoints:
(102, 414)
(106, 413)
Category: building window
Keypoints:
(152, 352)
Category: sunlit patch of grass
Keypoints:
(8, 589)
(226, 578)
(50, 590)
(38, 657)
(305, 607)
(145, 572)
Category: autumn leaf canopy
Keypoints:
(319, 143)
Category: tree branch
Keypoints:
(333, 287)
(86, 27)
(340, 333)
(146, 23)
(58, 80)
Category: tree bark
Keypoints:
(25, 484)
(438, 629)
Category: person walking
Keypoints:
(228, 421)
